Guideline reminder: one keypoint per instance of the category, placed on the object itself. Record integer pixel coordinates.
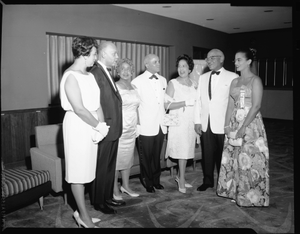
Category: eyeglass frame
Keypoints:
(212, 58)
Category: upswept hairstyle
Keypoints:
(249, 54)
(83, 46)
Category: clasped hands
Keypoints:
(100, 131)
(235, 138)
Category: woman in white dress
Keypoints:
(182, 138)
(83, 124)
(130, 103)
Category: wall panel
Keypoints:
(17, 132)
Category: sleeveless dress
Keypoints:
(130, 103)
(80, 151)
(182, 138)
(244, 169)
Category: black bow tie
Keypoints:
(153, 76)
(215, 72)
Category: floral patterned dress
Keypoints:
(244, 169)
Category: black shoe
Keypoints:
(150, 189)
(105, 209)
(203, 187)
(114, 202)
(158, 186)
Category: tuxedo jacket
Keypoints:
(151, 109)
(214, 109)
(110, 101)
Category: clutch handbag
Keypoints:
(170, 119)
(233, 141)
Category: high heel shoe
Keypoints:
(81, 223)
(118, 198)
(94, 220)
(130, 194)
(182, 190)
(185, 185)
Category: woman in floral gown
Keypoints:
(244, 169)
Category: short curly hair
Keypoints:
(124, 60)
(188, 59)
(83, 46)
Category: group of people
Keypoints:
(106, 119)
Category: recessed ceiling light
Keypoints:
(166, 6)
(268, 11)
(210, 19)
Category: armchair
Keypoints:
(49, 155)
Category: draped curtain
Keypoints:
(60, 57)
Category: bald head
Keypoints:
(104, 45)
(108, 53)
(152, 63)
(148, 58)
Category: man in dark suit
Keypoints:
(111, 102)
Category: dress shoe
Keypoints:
(158, 186)
(94, 220)
(105, 209)
(114, 202)
(118, 198)
(79, 221)
(186, 184)
(130, 194)
(150, 189)
(182, 190)
(203, 187)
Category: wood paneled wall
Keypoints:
(18, 136)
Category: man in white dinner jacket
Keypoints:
(210, 110)
(151, 88)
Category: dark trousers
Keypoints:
(102, 186)
(149, 148)
(212, 146)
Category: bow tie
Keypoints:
(153, 76)
(215, 72)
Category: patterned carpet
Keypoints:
(169, 208)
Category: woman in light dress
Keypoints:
(83, 124)
(182, 138)
(244, 173)
(130, 103)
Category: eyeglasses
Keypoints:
(212, 58)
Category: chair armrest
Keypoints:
(43, 161)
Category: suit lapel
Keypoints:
(116, 91)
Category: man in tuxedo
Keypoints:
(111, 102)
(151, 87)
(210, 110)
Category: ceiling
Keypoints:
(222, 17)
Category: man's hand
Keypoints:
(198, 129)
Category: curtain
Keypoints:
(60, 57)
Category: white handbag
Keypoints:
(233, 141)
(170, 119)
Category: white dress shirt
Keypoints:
(107, 73)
